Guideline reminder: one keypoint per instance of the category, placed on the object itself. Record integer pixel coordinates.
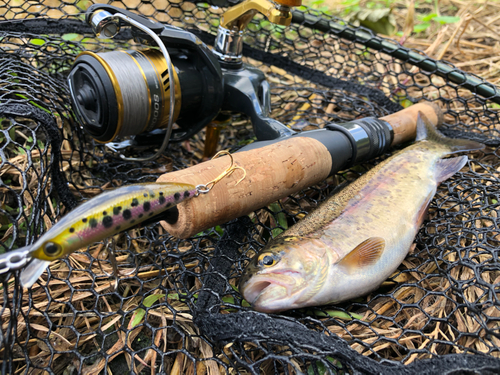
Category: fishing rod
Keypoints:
(141, 93)
(279, 168)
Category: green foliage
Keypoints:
(427, 20)
(225, 299)
(37, 42)
(280, 218)
(12, 133)
(421, 27)
(319, 5)
(428, 17)
(350, 6)
(245, 142)
(139, 313)
(35, 104)
(376, 14)
(219, 230)
(70, 36)
(446, 19)
(322, 369)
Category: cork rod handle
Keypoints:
(273, 172)
(404, 122)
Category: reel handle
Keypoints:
(153, 25)
(273, 172)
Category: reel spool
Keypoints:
(123, 93)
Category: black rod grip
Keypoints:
(349, 143)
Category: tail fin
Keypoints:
(427, 131)
(32, 272)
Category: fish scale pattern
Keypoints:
(176, 309)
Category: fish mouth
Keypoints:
(254, 290)
(264, 291)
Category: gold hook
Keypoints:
(203, 189)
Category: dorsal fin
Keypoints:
(365, 254)
(332, 208)
(427, 131)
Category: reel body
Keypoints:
(126, 93)
(123, 93)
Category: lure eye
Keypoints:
(51, 249)
(267, 260)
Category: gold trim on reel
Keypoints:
(160, 65)
(141, 84)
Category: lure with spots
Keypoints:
(101, 217)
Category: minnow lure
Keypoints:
(103, 216)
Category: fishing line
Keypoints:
(133, 87)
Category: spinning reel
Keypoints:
(140, 94)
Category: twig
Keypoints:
(447, 45)
(467, 20)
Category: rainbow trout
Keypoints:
(357, 238)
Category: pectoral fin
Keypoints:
(365, 254)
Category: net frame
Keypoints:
(321, 70)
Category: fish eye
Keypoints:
(51, 249)
(267, 260)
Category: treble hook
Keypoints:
(112, 260)
(110, 246)
(203, 189)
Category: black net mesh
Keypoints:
(176, 310)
